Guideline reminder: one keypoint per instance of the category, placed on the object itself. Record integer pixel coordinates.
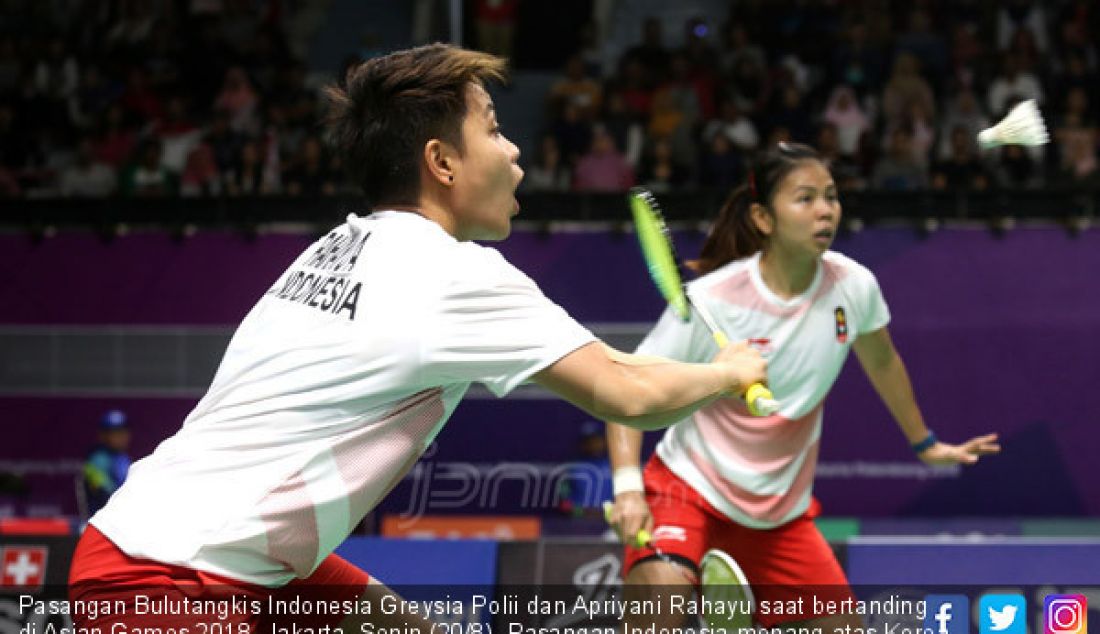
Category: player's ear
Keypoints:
(439, 157)
(762, 219)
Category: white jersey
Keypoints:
(759, 471)
(330, 390)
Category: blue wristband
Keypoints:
(926, 444)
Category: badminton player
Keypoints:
(346, 369)
(724, 479)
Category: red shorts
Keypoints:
(786, 563)
(102, 572)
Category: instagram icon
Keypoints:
(1065, 614)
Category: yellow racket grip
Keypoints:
(721, 339)
(760, 400)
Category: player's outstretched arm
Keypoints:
(647, 392)
(887, 373)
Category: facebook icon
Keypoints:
(946, 614)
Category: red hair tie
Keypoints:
(752, 184)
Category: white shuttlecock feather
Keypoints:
(1023, 125)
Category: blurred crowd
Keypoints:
(213, 98)
(892, 93)
(158, 98)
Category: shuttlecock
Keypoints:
(1023, 125)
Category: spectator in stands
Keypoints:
(577, 88)
(735, 126)
(899, 170)
(574, 135)
(57, 74)
(844, 169)
(1076, 73)
(963, 169)
(791, 112)
(88, 177)
(91, 98)
(177, 134)
(738, 45)
(1079, 165)
(238, 100)
(129, 34)
(968, 53)
(251, 176)
(674, 117)
(496, 25)
(660, 172)
(592, 51)
(636, 87)
(963, 111)
(1031, 60)
(224, 141)
(603, 168)
(698, 82)
(844, 113)
(1014, 15)
(1075, 137)
(624, 126)
(313, 174)
(921, 128)
(1011, 86)
(548, 173)
(201, 176)
(750, 86)
(905, 87)
(108, 464)
(722, 165)
(925, 43)
(147, 177)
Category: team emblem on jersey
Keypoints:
(841, 325)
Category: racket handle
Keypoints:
(760, 400)
(641, 539)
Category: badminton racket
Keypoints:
(660, 258)
(725, 584)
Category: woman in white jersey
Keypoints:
(724, 479)
(350, 364)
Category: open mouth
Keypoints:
(824, 234)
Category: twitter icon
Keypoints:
(1002, 614)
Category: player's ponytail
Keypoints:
(734, 235)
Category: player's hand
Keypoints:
(746, 366)
(968, 452)
(630, 515)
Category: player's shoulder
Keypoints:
(842, 268)
(722, 274)
(480, 260)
